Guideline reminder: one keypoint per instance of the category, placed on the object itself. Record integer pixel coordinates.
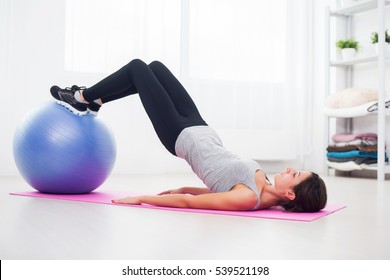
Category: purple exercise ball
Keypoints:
(59, 152)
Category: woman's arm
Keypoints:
(187, 190)
(236, 199)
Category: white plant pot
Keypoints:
(348, 53)
(387, 49)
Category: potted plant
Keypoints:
(374, 41)
(348, 48)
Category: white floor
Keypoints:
(48, 229)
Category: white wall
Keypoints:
(31, 61)
(6, 162)
(315, 160)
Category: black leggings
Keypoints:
(168, 105)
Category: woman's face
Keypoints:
(288, 179)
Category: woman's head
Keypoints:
(301, 191)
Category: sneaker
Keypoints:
(65, 97)
(93, 108)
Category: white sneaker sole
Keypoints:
(71, 108)
(92, 112)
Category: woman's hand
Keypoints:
(132, 200)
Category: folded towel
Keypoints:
(351, 154)
(348, 137)
(346, 148)
(355, 142)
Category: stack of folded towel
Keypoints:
(353, 151)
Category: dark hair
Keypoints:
(310, 196)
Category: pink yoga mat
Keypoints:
(107, 196)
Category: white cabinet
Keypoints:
(343, 18)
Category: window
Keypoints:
(238, 40)
(243, 61)
(103, 34)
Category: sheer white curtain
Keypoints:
(245, 62)
(102, 35)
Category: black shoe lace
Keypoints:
(65, 90)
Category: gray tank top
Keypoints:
(219, 169)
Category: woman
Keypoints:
(232, 183)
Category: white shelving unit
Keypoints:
(348, 65)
